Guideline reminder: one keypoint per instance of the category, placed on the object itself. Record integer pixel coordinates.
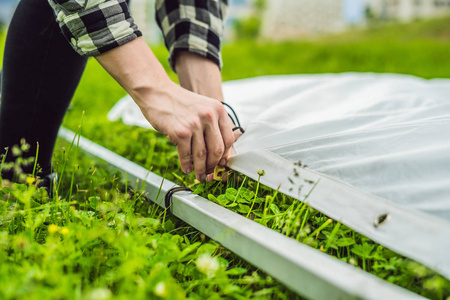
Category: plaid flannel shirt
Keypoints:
(96, 26)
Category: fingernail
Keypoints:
(203, 177)
(223, 162)
(187, 171)
(210, 177)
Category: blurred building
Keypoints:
(290, 19)
(408, 10)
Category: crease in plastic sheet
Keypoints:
(386, 135)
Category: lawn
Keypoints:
(99, 239)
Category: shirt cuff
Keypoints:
(196, 27)
(188, 36)
(96, 29)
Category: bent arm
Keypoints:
(193, 33)
(199, 126)
(199, 75)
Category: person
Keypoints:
(46, 50)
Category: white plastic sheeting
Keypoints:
(387, 135)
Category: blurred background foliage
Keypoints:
(250, 27)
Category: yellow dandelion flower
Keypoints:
(53, 228)
(30, 180)
(64, 231)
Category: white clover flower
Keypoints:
(207, 265)
(160, 289)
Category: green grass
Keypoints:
(419, 49)
(422, 58)
(100, 240)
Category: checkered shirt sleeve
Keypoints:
(192, 25)
(95, 26)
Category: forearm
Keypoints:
(136, 69)
(199, 75)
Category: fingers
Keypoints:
(199, 155)
(224, 175)
(203, 138)
(210, 177)
(184, 156)
(182, 139)
(228, 139)
(214, 146)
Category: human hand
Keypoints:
(199, 127)
(224, 175)
(201, 76)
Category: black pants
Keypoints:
(40, 74)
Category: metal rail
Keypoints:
(306, 271)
